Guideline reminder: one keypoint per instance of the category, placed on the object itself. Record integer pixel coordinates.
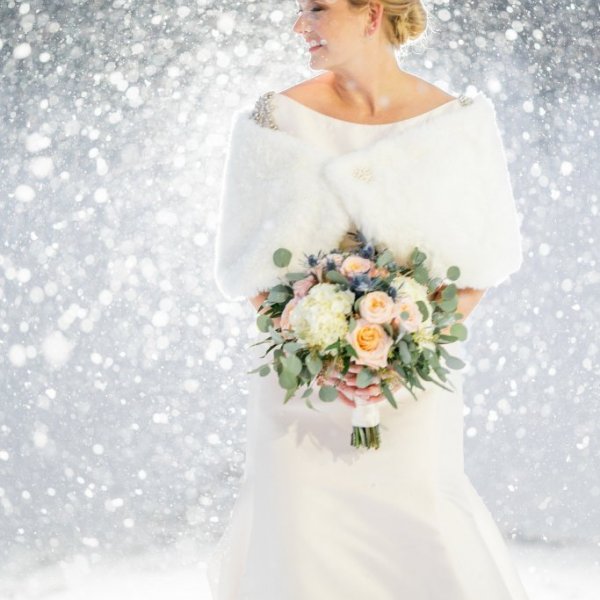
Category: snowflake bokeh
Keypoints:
(122, 368)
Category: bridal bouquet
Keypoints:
(360, 308)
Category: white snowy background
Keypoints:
(122, 369)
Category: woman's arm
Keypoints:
(468, 299)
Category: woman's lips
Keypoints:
(315, 47)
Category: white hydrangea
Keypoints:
(321, 317)
(407, 286)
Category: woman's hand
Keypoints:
(347, 388)
(257, 301)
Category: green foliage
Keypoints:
(279, 294)
(387, 392)
(282, 257)
(459, 331)
(328, 393)
(314, 364)
(384, 258)
(417, 257)
(453, 273)
(454, 362)
(421, 275)
(263, 322)
(404, 352)
(364, 377)
(295, 276)
(292, 364)
(423, 309)
(288, 380)
(336, 277)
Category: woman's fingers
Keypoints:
(345, 399)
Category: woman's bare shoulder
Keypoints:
(415, 96)
(310, 91)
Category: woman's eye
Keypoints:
(315, 9)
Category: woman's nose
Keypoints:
(301, 25)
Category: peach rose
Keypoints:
(302, 286)
(287, 312)
(414, 320)
(378, 272)
(377, 307)
(355, 265)
(371, 343)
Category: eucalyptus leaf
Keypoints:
(282, 257)
(364, 377)
(328, 393)
(459, 330)
(288, 380)
(404, 352)
(292, 347)
(454, 362)
(420, 275)
(423, 308)
(336, 277)
(307, 392)
(387, 392)
(449, 292)
(314, 363)
(263, 322)
(449, 305)
(295, 275)
(384, 258)
(292, 364)
(289, 394)
(417, 257)
(351, 324)
(277, 297)
(453, 273)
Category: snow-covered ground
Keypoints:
(549, 573)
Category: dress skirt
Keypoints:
(317, 519)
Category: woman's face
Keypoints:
(333, 30)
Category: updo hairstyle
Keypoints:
(403, 20)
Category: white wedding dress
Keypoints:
(317, 519)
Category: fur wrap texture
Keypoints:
(441, 184)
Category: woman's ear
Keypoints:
(374, 16)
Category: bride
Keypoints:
(363, 145)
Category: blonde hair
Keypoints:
(403, 20)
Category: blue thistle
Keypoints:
(361, 283)
(367, 251)
(312, 260)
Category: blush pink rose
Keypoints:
(317, 271)
(371, 342)
(377, 307)
(355, 265)
(302, 286)
(337, 259)
(414, 320)
(287, 312)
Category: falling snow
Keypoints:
(123, 370)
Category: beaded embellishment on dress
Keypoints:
(263, 111)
